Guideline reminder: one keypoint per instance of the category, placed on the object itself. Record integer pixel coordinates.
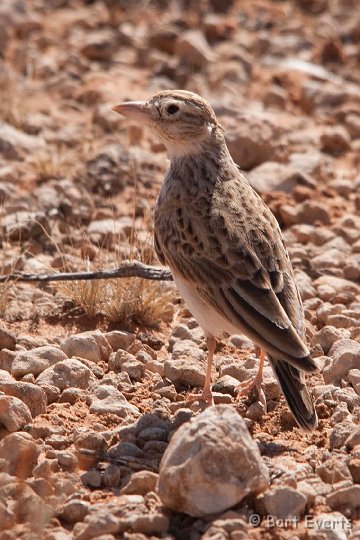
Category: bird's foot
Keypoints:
(205, 396)
(254, 383)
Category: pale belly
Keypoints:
(208, 318)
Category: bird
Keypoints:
(224, 246)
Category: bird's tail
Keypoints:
(293, 386)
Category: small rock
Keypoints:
(107, 399)
(75, 510)
(96, 524)
(284, 502)
(140, 483)
(92, 346)
(32, 395)
(127, 363)
(7, 339)
(273, 176)
(333, 526)
(187, 364)
(335, 140)
(346, 499)
(21, 453)
(346, 356)
(36, 360)
(14, 414)
(211, 464)
(91, 478)
(120, 339)
(193, 50)
(67, 373)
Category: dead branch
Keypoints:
(126, 270)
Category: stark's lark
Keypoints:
(224, 246)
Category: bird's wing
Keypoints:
(236, 261)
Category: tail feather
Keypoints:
(293, 386)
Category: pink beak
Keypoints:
(132, 109)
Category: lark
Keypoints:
(224, 246)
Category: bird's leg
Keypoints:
(255, 382)
(206, 394)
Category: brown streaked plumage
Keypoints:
(224, 246)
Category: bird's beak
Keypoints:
(133, 109)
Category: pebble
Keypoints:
(14, 414)
(346, 499)
(120, 339)
(140, 483)
(107, 399)
(75, 510)
(36, 360)
(92, 346)
(7, 339)
(21, 453)
(284, 502)
(32, 395)
(345, 354)
(212, 452)
(127, 363)
(65, 374)
(179, 369)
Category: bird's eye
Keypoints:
(172, 109)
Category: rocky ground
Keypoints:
(94, 377)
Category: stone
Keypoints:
(140, 483)
(108, 231)
(92, 346)
(345, 499)
(91, 478)
(354, 379)
(211, 464)
(334, 526)
(335, 140)
(193, 50)
(284, 502)
(24, 225)
(155, 523)
(127, 363)
(345, 354)
(333, 470)
(15, 144)
(186, 365)
(7, 339)
(75, 510)
(330, 287)
(21, 453)
(273, 176)
(36, 360)
(251, 140)
(353, 439)
(96, 524)
(327, 336)
(32, 395)
(120, 339)
(107, 399)
(14, 414)
(65, 374)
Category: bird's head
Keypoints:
(184, 121)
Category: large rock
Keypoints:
(273, 176)
(211, 464)
(187, 365)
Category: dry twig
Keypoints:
(126, 270)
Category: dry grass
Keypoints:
(131, 302)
